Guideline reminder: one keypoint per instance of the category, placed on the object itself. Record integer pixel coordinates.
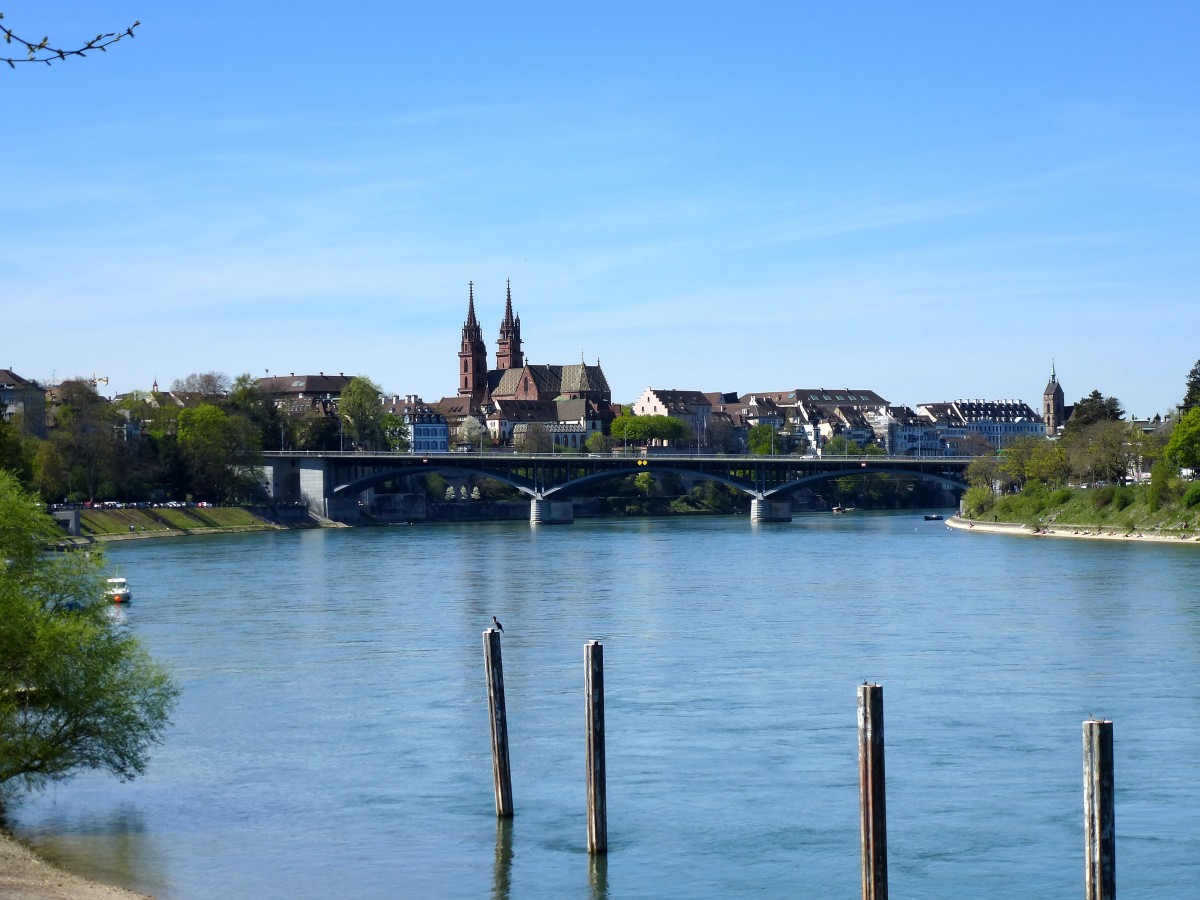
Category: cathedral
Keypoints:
(515, 391)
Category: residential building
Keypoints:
(693, 408)
(902, 432)
(999, 422)
(296, 394)
(428, 431)
(23, 401)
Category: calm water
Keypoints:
(332, 735)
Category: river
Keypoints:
(332, 736)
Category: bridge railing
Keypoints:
(631, 454)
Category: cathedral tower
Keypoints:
(508, 348)
(472, 355)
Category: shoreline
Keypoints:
(1075, 532)
(26, 876)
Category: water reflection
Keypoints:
(502, 866)
(598, 875)
(114, 848)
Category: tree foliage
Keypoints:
(1183, 449)
(533, 438)
(1093, 408)
(1191, 397)
(470, 433)
(42, 52)
(644, 429)
(76, 688)
(764, 440)
(362, 413)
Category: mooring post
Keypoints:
(1099, 826)
(871, 792)
(597, 810)
(501, 776)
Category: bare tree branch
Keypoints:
(42, 52)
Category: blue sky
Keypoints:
(928, 200)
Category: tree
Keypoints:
(1183, 449)
(764, 440)
(840, 445)
(77, 690)
(598, 442)
(533, 438)
(42, 52)
(362, 413)
(395, 432)
(1191, 398)
(205, 385)
(220, 451)
(1093, 408)
(470, 432)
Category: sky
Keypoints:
(933, 201)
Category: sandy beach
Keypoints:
(1076, 532)
(26, 876)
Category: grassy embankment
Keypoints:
(110, 524)
(1119, 509)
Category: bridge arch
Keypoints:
(366, 482)
(790, 486)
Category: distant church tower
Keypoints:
(1053, 410)
(472, 355)
(508, 352)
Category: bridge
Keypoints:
(332, 484)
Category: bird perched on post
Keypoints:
(496, 622)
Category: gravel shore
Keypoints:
(26, 876)
(1078, 532)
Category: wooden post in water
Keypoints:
(501, 776)
(871, 792)
(1099, 826)
(597, 807)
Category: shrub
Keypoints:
(977, 500)
(1191, 497)
(1059, 497)
(1122, 498)
(1103, 496)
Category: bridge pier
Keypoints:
(764, 510)
(551, 512)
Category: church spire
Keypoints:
(508, 348)
(472, 354)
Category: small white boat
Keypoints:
(118, 591)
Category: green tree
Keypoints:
(1191, 397)
(395, 432)
(840, 445)
(1093, 408)
(1015, 458)
(1183, 449)
(598, 442)
(764, 440)
(362, 413)
(77, 690)
(1048, 463)
(220, 451)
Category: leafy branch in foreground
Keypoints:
(42, 52)
(77, 690)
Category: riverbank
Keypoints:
(1077, 532)
(132, 524)
(26, 876)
